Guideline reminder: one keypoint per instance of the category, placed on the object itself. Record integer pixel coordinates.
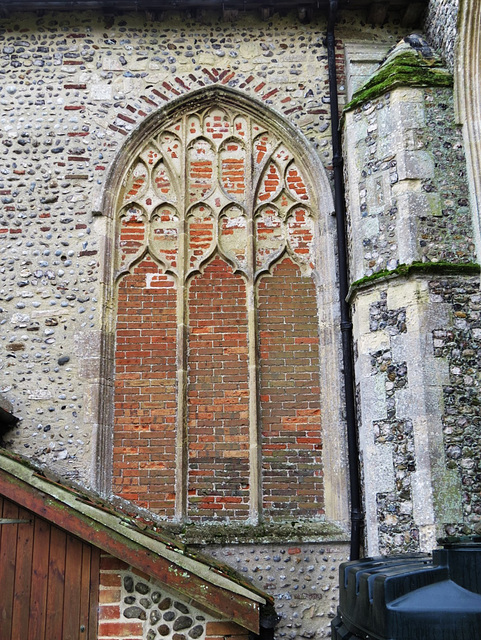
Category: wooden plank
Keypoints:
(38, 593)
(8, 553)
(56, 583)
(94, 594)
(217, 600)
(85, 587)
(23, 575)
(73, 570)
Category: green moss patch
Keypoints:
(273, 532)
(407, 68)
(415, 268)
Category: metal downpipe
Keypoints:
(346, 324)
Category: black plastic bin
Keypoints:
(412, 597)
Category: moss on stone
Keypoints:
(435, 268)
(224, 533)
(407, 68)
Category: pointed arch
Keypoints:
(247, 138)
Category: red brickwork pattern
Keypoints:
(233, 236)
(201, 234)
(289, 389)
(206, 165)
(216, 126)
(163, 182)
(300, 232)
(269, 236)
(136, 182)
(145, 389)
(165, 235)
(233, 170)
(218, 395)
(270, 184)
(201, 170)
(296, 184)
(132, 234)
(111, 624)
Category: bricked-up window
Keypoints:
(217, 398)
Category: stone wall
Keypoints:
(133, 606)
(414, 358)
(440, 25)
(457, 344)
(303, 578)
(73, 87)
(408, 194)
(410, 230)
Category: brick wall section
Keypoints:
(111, 625)
(145, 389)
(218, 395)
(289, 388)
(133, 606)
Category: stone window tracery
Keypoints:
(217, 410)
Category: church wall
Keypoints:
(302, 577)
(440, 25)
(74, 86)
(83, 83)
(417, 375)
(408, 205)
(131, 605)
(408, 195)
(145, 378)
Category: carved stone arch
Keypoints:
(468, 90)
(273, 130)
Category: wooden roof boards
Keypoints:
(151, 550)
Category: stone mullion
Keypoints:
(181, 452)
(255, 458)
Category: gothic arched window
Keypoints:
(217, 356)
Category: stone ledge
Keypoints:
(414, 269)
(239, 533)
(404, 67)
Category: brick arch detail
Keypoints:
(250, 85)
(320, 208)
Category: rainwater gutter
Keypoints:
(357, 517)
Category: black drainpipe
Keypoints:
(346, 324)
